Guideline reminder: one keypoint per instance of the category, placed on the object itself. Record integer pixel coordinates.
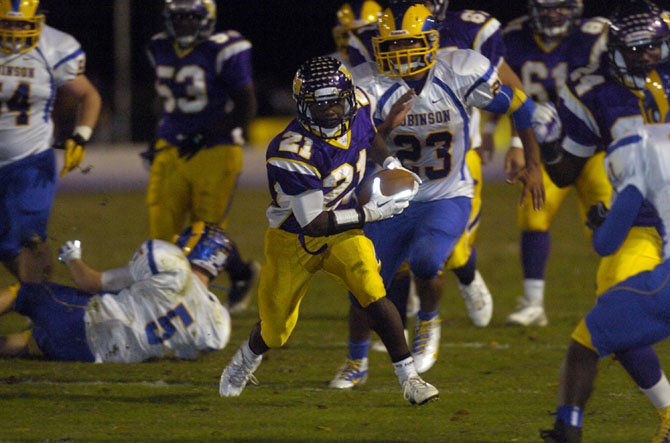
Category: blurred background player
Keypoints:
(37, 62)
(204, 80)
(156, 306)
(352, 17)
(634, 76)
(544, 48)
(430, 138)
(313, 168)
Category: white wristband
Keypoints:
(85, 132)
(515, 142)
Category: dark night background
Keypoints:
(284, 34)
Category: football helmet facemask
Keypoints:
(206, 246)
(350, 16)
(639, 39)
(21, 24)
(554, 18)
(189, 21)
(408, 40)
(324, 81)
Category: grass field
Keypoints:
(496, 384)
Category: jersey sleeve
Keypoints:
(489, 40)
(161, 265)
(233, 61)
(623, 162)
(476, 78)
(65, 55)
(581, 129)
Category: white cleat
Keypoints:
(378, 345)
(426, 344)
(528, 314)
(351, 373)
(237, 374)
(418, 392)
(478, 301)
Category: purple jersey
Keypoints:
(543, 69)
(194, 85)
(476, 30)
(299, 161)
(467, 29)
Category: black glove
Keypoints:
(596, 215)
(190, 144)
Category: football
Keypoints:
(392, 181)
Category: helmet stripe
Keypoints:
(16, 5)
(150, 257)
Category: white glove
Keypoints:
(381, 207)
(70, 250)
(546, 123)
(393, 163)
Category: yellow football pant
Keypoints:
(350, 258)
(181, 191)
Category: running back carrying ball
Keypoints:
(392, 182)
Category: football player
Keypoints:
(351, 17)
(204, 80)
(432, 140)
(313, 168)
(37, 62)
(544, 48)
(156, 306)
(596, 107)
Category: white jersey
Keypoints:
(29, 83)
(166, 312)
(643, 160)
(435, 135)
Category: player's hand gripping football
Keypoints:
(70, 250)
(381, 207)
(393, 163)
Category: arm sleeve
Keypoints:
(307, 206)
(114, 280)
(611, 234)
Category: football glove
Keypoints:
(546, 123)
(74, 152)
(70, 250)
(596, 215)
(190, 144)
(393, 163)
(381, 207)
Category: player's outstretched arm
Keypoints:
(86, 278)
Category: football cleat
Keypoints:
(418, 392)
(562, 433)
(426, 344)
(478, 301)
(237, 374)
(240, 290)
(527, 314)
(378, 345)
(351, 373)
(663, 433)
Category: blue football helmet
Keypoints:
(323, 81)
(206, 246)
(21, 24)
(189, 21)
(554, 18)
(639, 39)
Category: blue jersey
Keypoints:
(195, 84)
(299, 161)
(544, 68)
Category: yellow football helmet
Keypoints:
(353, 15)
(20, 25)
(408, 40)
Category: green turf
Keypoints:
(496, 384)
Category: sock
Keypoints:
(405, 369)
(659, 394)
(358, 349)
(535, 247)
(425, 316)
(248, 354)
(643, 366)
(466, 273)
(533, 291)
(570, 415)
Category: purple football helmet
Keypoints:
(639, 39)
(189, 21)
(324, 81)
(554, 18)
